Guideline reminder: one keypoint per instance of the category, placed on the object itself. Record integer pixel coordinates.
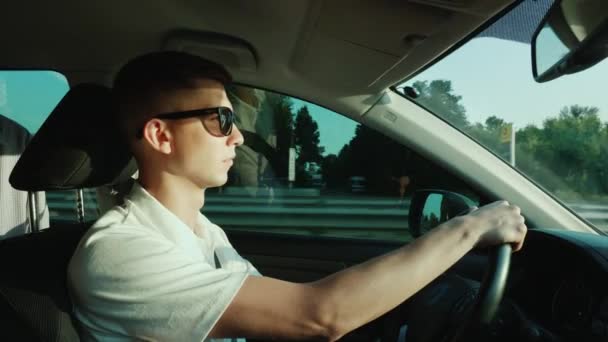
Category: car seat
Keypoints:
(78, 146)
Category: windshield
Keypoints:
(553, 132)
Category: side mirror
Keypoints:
(429, 208)
(573, 36)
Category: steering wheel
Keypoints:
(489, 296)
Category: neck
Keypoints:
(180, 196)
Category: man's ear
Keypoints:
(158, 136)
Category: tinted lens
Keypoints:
(226, 119)
(220, 123)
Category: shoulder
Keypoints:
(117, 223)
(115, 241)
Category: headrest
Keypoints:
(78, 146)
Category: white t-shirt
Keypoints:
(141, 273)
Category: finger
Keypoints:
(496, 203)
(468, 211)
(522, 231)
(515, 209)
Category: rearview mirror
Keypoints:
(572, 36)
(429, 208)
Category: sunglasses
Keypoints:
(219, 125)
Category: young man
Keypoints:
(155, 268)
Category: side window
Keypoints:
(27, 97)
(306, 170)
(63, 205)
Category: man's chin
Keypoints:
(218, 182)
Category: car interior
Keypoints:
(345, 57)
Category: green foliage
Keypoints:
(438, 97)
(309, 152)
(488, 134)
(372, 155)
(307, 138)
(300, 131)
(281, 107)
(568, 154)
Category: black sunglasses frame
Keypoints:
(225, 117)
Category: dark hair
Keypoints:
(147, 75)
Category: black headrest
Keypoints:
(78, 146)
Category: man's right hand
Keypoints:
(498, 223)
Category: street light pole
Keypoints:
(512, 154)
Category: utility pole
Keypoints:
(291, 167)
(507, 135)
(512, 145)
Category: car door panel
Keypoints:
(305, 258)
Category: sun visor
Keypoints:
(78, 146)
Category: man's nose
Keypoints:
(236, 137)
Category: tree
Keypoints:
(577, 111)
(281, 107)
(488, 134)
(306, 139)
(438, 96)
(567, 155)
(336, 170)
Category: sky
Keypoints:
(494, 77)
(334, 130)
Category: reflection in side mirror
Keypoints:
(429, 208)
(573, 36)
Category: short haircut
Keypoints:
(140, 80)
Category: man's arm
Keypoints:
(331, 307)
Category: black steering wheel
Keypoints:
(489, 296)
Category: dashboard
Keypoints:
(557, 290)
(560, 281)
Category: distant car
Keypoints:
(357, 184)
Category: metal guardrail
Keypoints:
(302, 211)
(62, 205)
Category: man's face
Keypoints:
(197, 156)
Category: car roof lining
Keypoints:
(357, 64)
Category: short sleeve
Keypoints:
(226, 254)
(143, 286)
